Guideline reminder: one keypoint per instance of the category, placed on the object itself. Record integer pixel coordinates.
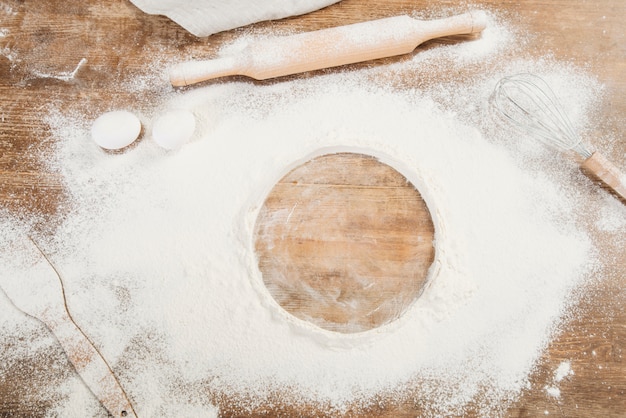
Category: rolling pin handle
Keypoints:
(191, 72)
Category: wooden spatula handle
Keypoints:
(90, 366)
(599, 168)
(285, 55)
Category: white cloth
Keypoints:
(206, 17)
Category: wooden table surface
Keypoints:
(42, 39)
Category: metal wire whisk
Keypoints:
(529, 103)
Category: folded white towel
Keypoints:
(206, 17)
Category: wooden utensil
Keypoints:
(37, 290)
(280, 56)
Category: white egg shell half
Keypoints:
(116, 130)
(174, 128)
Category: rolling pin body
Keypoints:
(279, 56)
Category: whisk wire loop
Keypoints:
(528, 102)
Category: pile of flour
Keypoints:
(156, 250)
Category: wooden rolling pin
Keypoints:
(308, 51)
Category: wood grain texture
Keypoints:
(43, 39)
(345, 242)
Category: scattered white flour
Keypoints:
(553, 391)
(63, 76)
(562, 372)
(8, 54)
(157, 257)
(5, 49)
(6, 12)
(612, 217)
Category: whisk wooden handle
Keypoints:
(599, 168)
(308, 51)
